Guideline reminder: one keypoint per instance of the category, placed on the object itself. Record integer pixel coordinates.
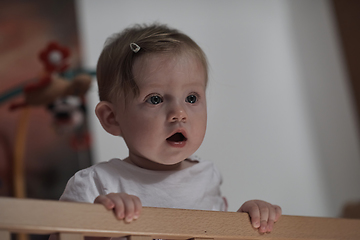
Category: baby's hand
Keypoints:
(263, 214)
(125, 206)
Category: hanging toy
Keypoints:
(51, 86)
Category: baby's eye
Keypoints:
(191, 98)
(154, 100)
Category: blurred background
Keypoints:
(283, 96)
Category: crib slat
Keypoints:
(4, 235)
(22, 236)
(70, 236)
(137, 237)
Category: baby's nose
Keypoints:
(177, 114)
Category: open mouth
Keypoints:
(177, 137)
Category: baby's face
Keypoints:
(166, 122)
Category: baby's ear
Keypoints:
(106, 115)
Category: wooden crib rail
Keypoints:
(75, 220)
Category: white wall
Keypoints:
(281, 123)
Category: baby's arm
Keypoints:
(125, 206)
(263, 214)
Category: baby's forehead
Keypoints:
(151, 63)
(178, 56)
(157, 69)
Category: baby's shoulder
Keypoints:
(198, 159)
(203, 163)
(205, 170)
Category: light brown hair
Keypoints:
(114, 68)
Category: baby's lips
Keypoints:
(177, 137)
(179, 130)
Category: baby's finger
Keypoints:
(138, 207)
(104, 200)
(270, 226)
(253, 210)
(278, 212)
(129, 207)
(264, 217)
(272, 217)
(119, 209)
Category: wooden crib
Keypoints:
(73, 221)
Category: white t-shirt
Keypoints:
(195, 187)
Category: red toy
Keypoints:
(50, 85)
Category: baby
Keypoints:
(152, 86)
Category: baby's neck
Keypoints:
(150, 165)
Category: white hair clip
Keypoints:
(134, 47)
